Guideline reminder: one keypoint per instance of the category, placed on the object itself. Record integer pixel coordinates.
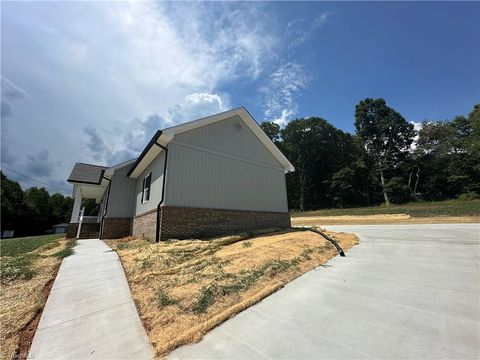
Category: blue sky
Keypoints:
(92, 81)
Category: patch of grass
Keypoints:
(163, 298)
(146, 263)
(23, 278)
(64, 253)
(247, 244)
(67, 250)
(306, 253)
(18, 246)
(455, 207)
(198, 284)
(239, 283)
(205, 299)
(17, 268)
(50, 246)
(123, 246)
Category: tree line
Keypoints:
(385, 161)
(31, 211)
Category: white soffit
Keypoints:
(147, 159)
(109, 172)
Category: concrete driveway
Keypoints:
(406, 292)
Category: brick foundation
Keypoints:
(88, 231)
(116, 228)
(184, 223)
(145, 225)
(197, 223)
(71, 231)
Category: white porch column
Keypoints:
(76, 204)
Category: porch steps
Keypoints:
(89, 231)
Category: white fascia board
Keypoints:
(154, 151)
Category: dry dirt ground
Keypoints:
(183, 289)
(22, 299)
(380, 219)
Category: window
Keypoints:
(146, 188)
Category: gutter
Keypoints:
(157, 231)
(152, 142)
(106, 207)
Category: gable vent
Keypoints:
(237, 125)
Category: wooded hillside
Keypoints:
(385, 161)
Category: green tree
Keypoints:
(36, 210)
(11, 203)
(342, 186)
(91, 208)
(272, 130)
(351, 185)
(60, 208)
(447, 154)
(473, 141)
(385, 134)
(317, 150)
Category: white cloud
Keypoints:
(9, 93)
(40, 165)
(95, 143)
(300, 30)
(102, 77)
(94, 66)
(417, 126)
(197, 105)
(10, 90)
(281, 93)
(132, 136)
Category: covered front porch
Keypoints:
(90, 226)
(89, 182)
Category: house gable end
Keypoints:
(231, 136)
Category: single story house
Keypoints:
(216, 175)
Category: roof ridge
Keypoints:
(204, 117)
(102, 166)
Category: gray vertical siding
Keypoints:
(156, 168)
(122, 195)
(224, 137)
(219, 167)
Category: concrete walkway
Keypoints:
(406, 292)
(90, 313)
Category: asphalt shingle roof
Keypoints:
(86, 173)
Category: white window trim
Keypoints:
(145, 188)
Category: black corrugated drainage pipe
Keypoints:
(106, 207)
(157, 232)
(339, 249)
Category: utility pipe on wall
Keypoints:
(106, 207)
(157, 231)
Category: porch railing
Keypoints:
(82, 219)
(90, 219)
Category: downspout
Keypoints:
(106, 206)
(157, 232)
(325, 236)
